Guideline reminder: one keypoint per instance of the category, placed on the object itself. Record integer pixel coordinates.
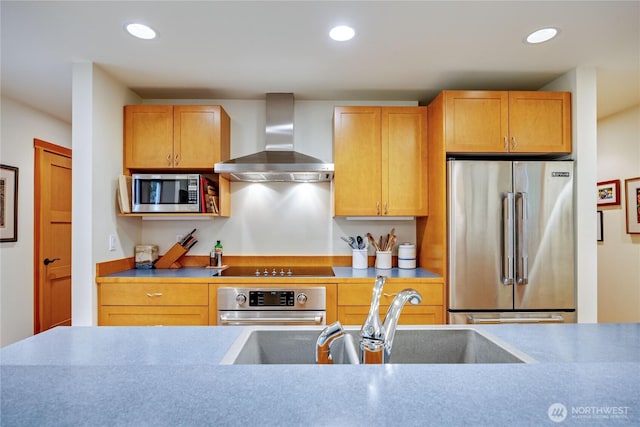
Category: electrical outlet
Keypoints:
(179, 237)
(112, 242)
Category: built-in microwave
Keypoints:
(166, 192)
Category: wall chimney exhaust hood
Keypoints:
(278, 162)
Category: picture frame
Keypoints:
(609, 193)
(600, 232)
(8, 203)
(632, 192)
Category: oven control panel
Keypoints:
(271, 298)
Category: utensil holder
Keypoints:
(170, 259)
(359, 258)
(383, 259)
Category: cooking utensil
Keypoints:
(350, 241)
(360, 242)
(373, 241)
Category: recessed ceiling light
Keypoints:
(141, 31)
(342, 33)
(542, 35)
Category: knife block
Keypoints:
(170, 259)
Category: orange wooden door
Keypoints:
(52, 236)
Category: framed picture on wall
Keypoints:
(8, 203)
(600, 230)
(632, 190)
(609, 193)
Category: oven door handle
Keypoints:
(225, 319)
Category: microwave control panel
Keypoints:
(192, 188)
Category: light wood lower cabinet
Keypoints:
(145, 303)
(411, 315)
(135, 315)
(354, 300)
(139, 304)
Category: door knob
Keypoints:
(48, 261)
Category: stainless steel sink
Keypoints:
(459, 345)
(412, 344)
(285, 345)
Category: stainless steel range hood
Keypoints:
(278, 162)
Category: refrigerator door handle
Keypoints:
(522, 261)
(507, 239)
(480, 320)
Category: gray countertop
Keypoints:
(339, 272)
(171, 376)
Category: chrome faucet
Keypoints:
(323, 344)
(376, 338)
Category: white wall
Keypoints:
(19, 125)
(581, 82)
(619, 253)
(276, 218)
(97, 162)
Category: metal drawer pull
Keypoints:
(155, 294)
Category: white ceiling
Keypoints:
(240, 49)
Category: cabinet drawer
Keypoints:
(154, 294)
(132, 315)
(360, 293)
(411, 315)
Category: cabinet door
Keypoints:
(148, 136)
(411, 315)
(131, 315)
(404, 161)
(476, 121)
(360, 293)
(161, 293)
(354, 300)
(540, 122)
(196, 136)
(357, 159)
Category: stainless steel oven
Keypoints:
(272, 306)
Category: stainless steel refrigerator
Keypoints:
(511, 241)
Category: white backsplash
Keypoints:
(276, 219)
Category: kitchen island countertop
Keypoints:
(171, 376)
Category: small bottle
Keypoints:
(218, 254)
(212, 257)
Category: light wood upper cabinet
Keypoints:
(380, 156)
(186, 137)
(506, 122)
(148, 136)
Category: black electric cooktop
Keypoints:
(270, 271)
